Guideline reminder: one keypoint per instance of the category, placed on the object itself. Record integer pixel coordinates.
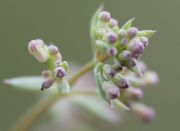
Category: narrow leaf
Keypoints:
(146, 33)
(128, 24)
(27, 83)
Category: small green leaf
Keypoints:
(146, 33)
(94, 21)
(63, 86)
(27, 83)
(99, 80)
(128, 24)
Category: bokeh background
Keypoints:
(66, 22)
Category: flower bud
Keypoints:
(122, 33)
(37, 48)
(145, 41)
(136, 47)
(124, 41)
(59, 72)
(132, 65)
(112, 23)
(109, 71)
(111, 91)
(112, 51)
(102, 46)
(120, 81)
(125, 55)
(111, 37)
(104, 16)
(47, 83)
(150, 78)
(145, 113)
(134, 93)
(132, 32)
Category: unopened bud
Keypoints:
(111, 37)
(135, 93)
(145, 41)
(112, 23)
(132, 32)
(37, 48)
(53, 50)
(125, 55)
(122, 33)
(150, 78)
(120, 81)
(124, 41)
(109, 71)
(136, 47)
(47, 83)
(102, 46)
(111, 91)
(59, 72)
(145, 113)
(112, 51)
(105, 16)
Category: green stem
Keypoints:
(30, 117)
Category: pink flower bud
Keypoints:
(122, 33)
(47, 83)
(132, 32)
(145, 41)
(59, 72)
(105, 16)
(145, 113)
(37, 48)
(135, 93)
(112, 23)
(112, 37)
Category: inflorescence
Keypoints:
(120, 82)
(50, 56)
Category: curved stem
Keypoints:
(31, 116)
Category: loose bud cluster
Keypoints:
(50, 56)
(123, 79)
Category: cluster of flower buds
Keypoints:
(127, 75)
(51, 56)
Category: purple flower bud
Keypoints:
(122, 33)
(53, 50)
(120, 81)
(112, 23)
(111, 91)
(37, 48)
(135, 93)
(124, 41)
(112, 51)
(111, 37)
(59, 72)
(142, 66)
(132, 32)
(125, 55)
(47, 83)
(145, 41)
(109, 71)
(136, 47)
(46, 73)
(146, 114)
(150, 78)
(105, 16)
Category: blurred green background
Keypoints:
(66, 22)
